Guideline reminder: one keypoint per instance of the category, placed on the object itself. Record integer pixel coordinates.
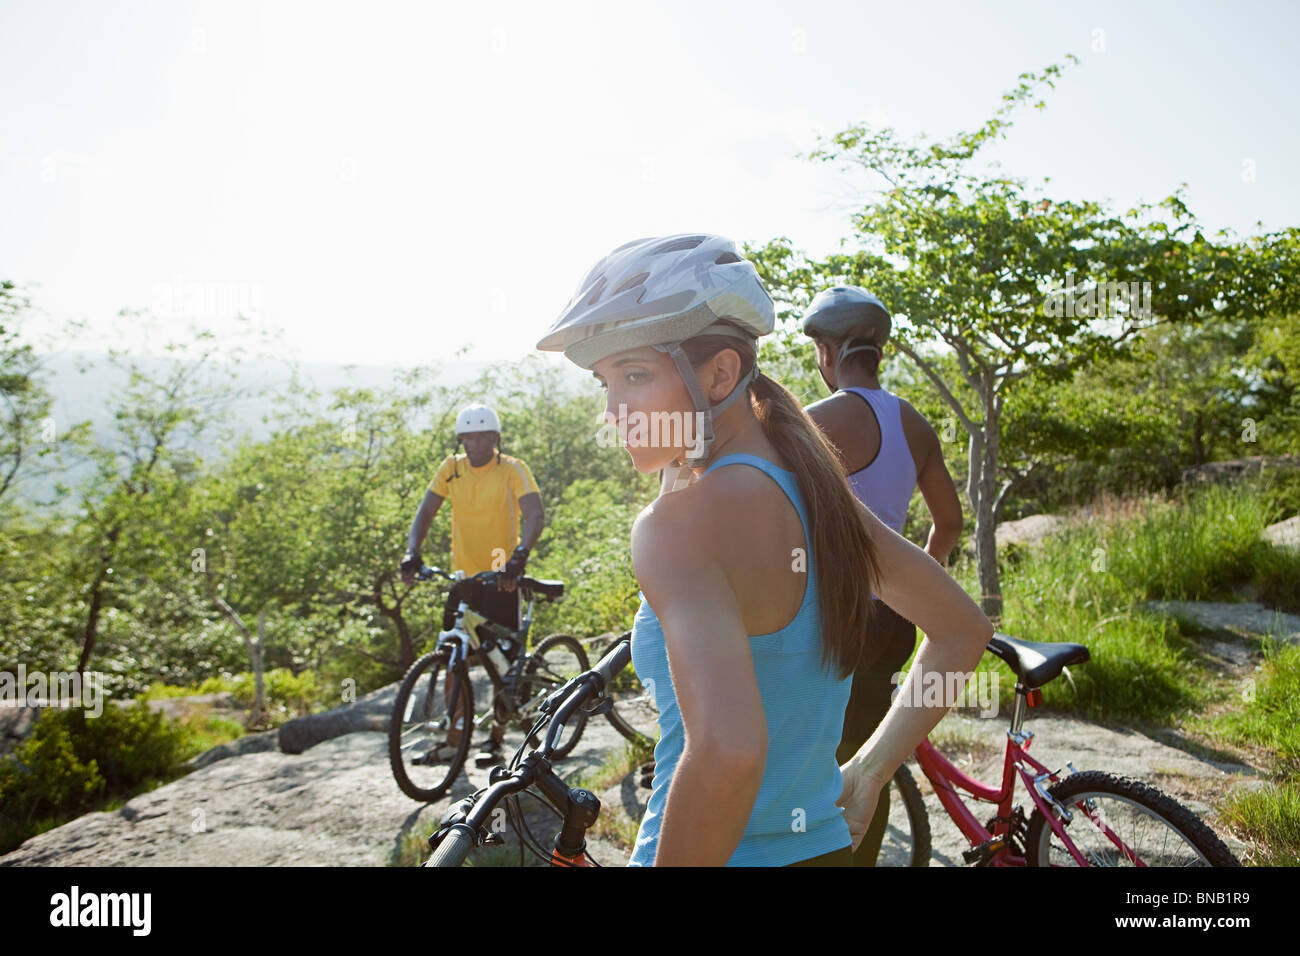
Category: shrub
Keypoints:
(72, 762)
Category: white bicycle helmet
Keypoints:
(848, 312)
(659, 292)
(477, 418)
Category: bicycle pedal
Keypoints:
(983, 852)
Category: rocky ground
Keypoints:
(335, 804)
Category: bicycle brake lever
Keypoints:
(548, 705)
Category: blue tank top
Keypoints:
(886, 484)
(794, 817)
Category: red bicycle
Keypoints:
(1089, 818)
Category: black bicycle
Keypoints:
(429, 735)
(433, 718)
(466, 824)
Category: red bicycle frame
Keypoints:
(944, 776)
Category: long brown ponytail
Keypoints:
(843, 553)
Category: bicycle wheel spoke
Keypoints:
(1111, 830)
(425, 746)
(557, 660)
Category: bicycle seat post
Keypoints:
(1018, 716)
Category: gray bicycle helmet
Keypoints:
(659, 292)
(850, 313)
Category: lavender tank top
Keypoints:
(886, 484)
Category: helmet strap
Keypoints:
(702, 406)
(845, 352)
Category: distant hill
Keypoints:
(90, 395)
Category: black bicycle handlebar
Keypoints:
(466, 818)
(566, 701)
(453, 848)
(615, 659)
(535, 588)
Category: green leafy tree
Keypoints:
(1017, 287)
(27, 432)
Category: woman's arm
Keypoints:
(716, 782)
(956, 633)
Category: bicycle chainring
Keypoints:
(1018, 831)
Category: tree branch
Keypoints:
(939, 384)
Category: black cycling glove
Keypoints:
(515, 566)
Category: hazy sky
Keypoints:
(387, 182)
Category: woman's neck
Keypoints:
(738, 432)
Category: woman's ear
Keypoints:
(724, 369)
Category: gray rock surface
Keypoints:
(15, 725)
(248, 744)
(177, 707)
(1237, 468)
(336, 804)
(1246, 619)
(1028, 531)
(1284, 534)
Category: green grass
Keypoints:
(286, 695)
(1084, 585)
(1192, 548)
(616, 765)
(203, 731)
(1277, 578)
(1140, 667)
(1271, 721)
(1269, 820)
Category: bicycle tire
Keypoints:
(1094, 783)
(628, 730)
(454, 847)
(534, 688)
(616, 717)
(432, 662)
(918, 819)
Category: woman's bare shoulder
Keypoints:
(694, 517)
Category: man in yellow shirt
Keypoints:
(488, 491)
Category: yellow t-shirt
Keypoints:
(484, 508)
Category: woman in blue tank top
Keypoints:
(756, 574)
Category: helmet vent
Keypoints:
(681, 245)
(725, 258)
(632, 283)
(595, 293)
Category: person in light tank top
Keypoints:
(888, 450)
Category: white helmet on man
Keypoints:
(477, 418)
(659, 292)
